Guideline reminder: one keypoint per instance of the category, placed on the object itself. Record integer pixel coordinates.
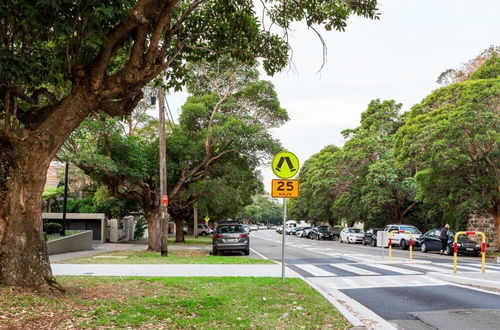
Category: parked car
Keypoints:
(403, 240)
(321, 232)
(301, 231)
(430, 241)
(351, 235)
(253, 227)
(247, 228)
(279, 229)
(305, 232)
(230, 236)
(371, 236)
(204, 230)
(262, 227)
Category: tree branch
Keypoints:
(121, 107)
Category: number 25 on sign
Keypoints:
(285, 188)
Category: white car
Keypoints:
(253, 227)
(352, 235)
(403, 240)
(304, 232)
(262, 227)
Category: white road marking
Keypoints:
(394, 269)
(314, 270)
(353, 269)
(427, 267)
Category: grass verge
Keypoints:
(192, 241)
(174, 257)
(171, 303)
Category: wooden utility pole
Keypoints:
(195, 229)
(163, 205)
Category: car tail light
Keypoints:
(243, 235)
(216, 236)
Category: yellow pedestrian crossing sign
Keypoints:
(285, 165)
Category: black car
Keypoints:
(430, 241)
(230, 236)
(371, 236)
(321, 232)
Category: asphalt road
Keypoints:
(401, 293)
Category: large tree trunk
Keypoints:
(23, 253)
(153, 218)
(179, 234)
(23, 169)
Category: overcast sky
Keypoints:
(397, 57)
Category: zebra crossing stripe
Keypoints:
(427, 267)
(395, 269)
(316, 271)
(355, 270)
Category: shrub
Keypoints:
(52, 228)
(140, 228)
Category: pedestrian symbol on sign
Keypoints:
(285, 165)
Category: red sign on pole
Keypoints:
(164, 200)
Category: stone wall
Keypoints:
(486, 225)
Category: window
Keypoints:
(230, 229)
(355, 230)
(411, 229)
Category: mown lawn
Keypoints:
(184, 256)
(170, 303)
(192, 241)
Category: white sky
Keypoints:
(397, 57)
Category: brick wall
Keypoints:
(486, 225)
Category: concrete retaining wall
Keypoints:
(81, 221)
(78, 242)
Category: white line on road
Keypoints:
(353, 269)
(395, 269)
(316, 271)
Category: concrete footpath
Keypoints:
(171, 270)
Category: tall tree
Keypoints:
(226, 119)
(369, 186)
(451, 139)
(316, 179)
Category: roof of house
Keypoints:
(52, 180)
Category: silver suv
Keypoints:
(230, 236)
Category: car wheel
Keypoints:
(374, 242)
(340, 239)
(403, 244)
(423, 248)
(364, 242)
(203, 233)
(246, 252)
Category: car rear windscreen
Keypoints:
(229, 229)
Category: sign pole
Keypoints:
(283, 243)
